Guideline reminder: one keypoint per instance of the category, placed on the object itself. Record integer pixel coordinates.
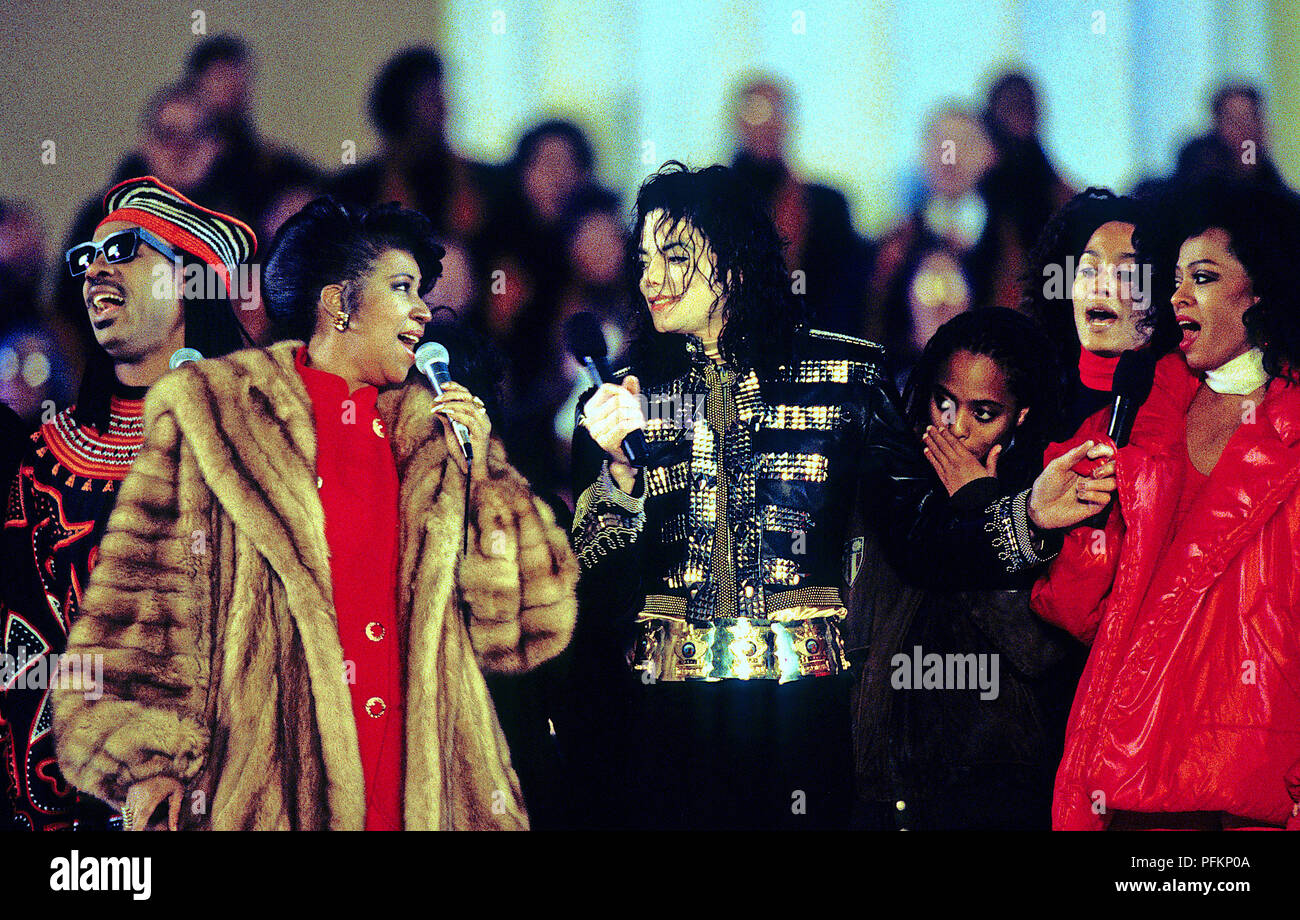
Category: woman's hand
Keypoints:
(954, 461)
(611, 414)
(459, 404)
(144, 797)
(1062, 498)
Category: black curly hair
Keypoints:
(760, 312)
(1263, 227)
(1027, 357)
(1062, 242)
(329, 243)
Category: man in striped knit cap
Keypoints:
(156, 278)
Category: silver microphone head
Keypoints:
(183, 356)
(428, 354)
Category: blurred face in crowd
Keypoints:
(428, 112)
(596, 249)
(1015, 109)
(456, 285)
(223, 87)
(387, 321)
(551, 176)
(179, 146)
(678, 278)
(972, 398)
(957, 155)
(1239, 120)
(129, 319)
(761, 122)
(1106, 290)
(1211, 294)
(938, 292)
(286, 203)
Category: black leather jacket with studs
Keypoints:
(745, 504)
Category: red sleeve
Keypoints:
(1071, 592)
(1074, 587)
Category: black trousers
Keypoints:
(740, 754)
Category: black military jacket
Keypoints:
(744, 504)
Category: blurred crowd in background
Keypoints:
(537, 238)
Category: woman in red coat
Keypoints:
(1188, 712)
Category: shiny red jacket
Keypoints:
(1190, 700)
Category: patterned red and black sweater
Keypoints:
(57, 508)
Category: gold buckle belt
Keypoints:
(742, 649)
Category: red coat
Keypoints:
(1190, 700)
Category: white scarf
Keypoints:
(1243, 374)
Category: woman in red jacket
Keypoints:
(1188, 712)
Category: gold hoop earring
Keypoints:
(341, 321)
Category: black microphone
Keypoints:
(587, 344)
(1131, 385)
(431, 360)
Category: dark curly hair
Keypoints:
(760, 313)
(329, 243)
(1062, 242)
(1263, 227)
(396, 85)
(1020, 347)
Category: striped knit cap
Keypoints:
(218, 239)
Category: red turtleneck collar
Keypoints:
(1096, 372)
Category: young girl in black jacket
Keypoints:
(961, 696)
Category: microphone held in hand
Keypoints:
(587, 345)
(1131, 386)
(431, 359)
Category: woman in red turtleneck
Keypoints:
(1089, 287)
(1092, 290)
(320, 664)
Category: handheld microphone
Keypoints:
(1131, 386)
(183, 356)
(587, 344)
(431, 360)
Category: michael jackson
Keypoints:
(728, 549)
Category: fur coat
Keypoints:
(211, 606)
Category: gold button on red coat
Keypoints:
(374, 631)
(375, 707)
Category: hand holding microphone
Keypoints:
(467, 433)
(614, 416)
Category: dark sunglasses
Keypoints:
(116, 247)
